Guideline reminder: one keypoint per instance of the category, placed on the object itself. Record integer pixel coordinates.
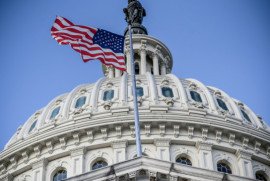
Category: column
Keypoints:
(111, 73)
(155, 63)
(119, 150)
(38, 170)
(128, 61)
(143, 57)
(77, 160)
(245, 164)
(163, 68)
(117, 73)
(205, 155)
(163, 148)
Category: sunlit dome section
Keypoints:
(189, 131)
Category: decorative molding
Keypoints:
(245, 143)
(243, 154)
(50, 146)
(25, 156)
(14, 161)
(162, 142)
(257, 147)
(3, 168)
(268, 152)
(176, 129)
(76, 137)
(39, 163)
(104, 133)
(132, 131)
(90, 136)
(116, 144)
(190, 131)
(232, 139)
(173, 178)
(132, 175)
(162, 130)
(37, 150)
(204, 145)
(169, 101)
(218, 136)
(147, 129)
(204, 133)
(63, 142)
(77, 151)
(118, 131)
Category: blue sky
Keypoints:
(225, 44)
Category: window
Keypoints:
(260, 176)
(222, 167)
(222, 104)
(55, 112)
(137, 69)
(245, 115)
(184, 161)
(99, 164)
(139, 91)
(195, 96)
(32, 126)
(80, 102)
(60, 175)
(108, 95)
(167, 92)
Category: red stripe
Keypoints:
(68, 21)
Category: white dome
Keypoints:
(178, 117)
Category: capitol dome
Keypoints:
(189, 131)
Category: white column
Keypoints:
(119, 150)
(77, 160)
(111, 73)
(155, 63)
(205, 155)
(143, 57)
(245, 164)
(163, 148)
(117, 73)
(38, 170)
(163, 68)
(128, 61)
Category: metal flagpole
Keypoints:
(136, 114)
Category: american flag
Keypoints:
(91, 43)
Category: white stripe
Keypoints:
(55, 25)
(107, 62)
(98, 52)
(72, 33)
(64, 22)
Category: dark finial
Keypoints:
(134, 16)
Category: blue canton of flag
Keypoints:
(109, 40)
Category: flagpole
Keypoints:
(136, 114)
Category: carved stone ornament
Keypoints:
(169, 101)
(140, 101)
(198, 104)
(107, 105)
(190, 131)
(232, 139)
(109, 84)
(218, 94)
(83, 91)
(78, 111)
(165, 81)
(58, 101)
(132, 131)
(192, 86)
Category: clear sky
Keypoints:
(224, 43)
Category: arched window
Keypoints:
(167, 92)
(139, 91)
(80, 102)
(260, 176)
(99, 164)
(60, 175)
(245, 116)
(32, 126)
(195, 96)
(184, 161)
(137, 69)
(55, 112)
(223, 167)
(108, 95)
(222, 104)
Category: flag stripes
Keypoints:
(108, 49)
